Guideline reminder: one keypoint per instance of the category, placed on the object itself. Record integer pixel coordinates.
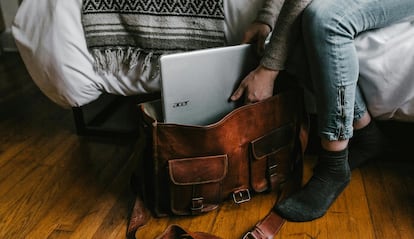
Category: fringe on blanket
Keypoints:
(117, 59)
(122, 34)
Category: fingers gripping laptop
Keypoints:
(196, 86)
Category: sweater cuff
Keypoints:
(273, 64)
(267, 19)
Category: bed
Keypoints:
(50, 39)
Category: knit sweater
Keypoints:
(285, 26)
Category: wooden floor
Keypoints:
(55, 184)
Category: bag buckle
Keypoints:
(197, 204)
(272, 166)
(241, 196)
(249, 235)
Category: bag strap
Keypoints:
(267, 228)
(270, 225)
(177, 232)
(138, 218)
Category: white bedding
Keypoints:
(386, 59)
(50, 39)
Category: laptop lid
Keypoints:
(196, 86)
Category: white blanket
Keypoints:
(51, 41)
(386, 59)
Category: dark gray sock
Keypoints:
(366, 144)
(330, 177)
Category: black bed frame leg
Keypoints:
(110, 116)
(79, 121)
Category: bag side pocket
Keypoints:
(196, 183)
(271, 158)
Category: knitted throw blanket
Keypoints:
(119, 32)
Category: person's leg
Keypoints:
(329, 28)
(367, 141)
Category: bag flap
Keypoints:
(273, 141)
(198, 170)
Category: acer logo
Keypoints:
(180, 104)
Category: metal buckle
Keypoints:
(241, 196)
(272, 166)
(249, 235)
(197, 204)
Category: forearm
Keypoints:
(284, 34)
(269, 12)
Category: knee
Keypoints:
(316, 19)
(324, 19)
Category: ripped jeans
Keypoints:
(329, 30)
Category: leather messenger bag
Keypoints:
(190, 170)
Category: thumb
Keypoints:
(248, 37)
(237, 94)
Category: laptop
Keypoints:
(196, 86)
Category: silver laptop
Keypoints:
(196, 86)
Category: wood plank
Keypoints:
(97, 215)
(349, 215)
(27, 158)
(89, 180)
(31, 198)
(389, 191)
(49, 179)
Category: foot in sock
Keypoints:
(330, 177)
(366, 144)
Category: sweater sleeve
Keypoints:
(269, 12)
(284, 33)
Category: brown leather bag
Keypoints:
(190, 170)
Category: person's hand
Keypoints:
(257, 33)
(257, 85)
